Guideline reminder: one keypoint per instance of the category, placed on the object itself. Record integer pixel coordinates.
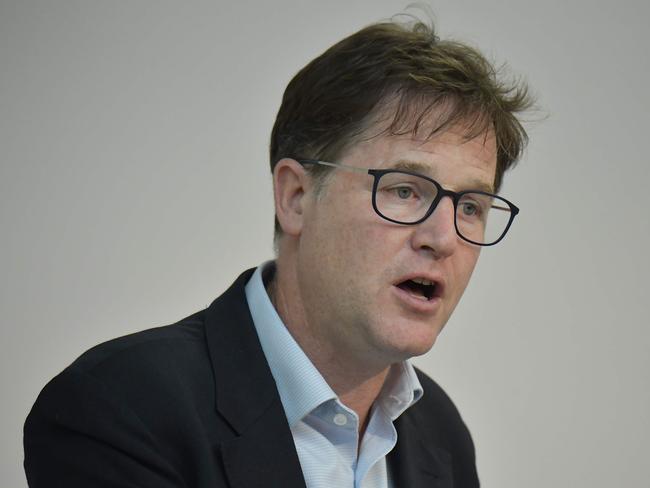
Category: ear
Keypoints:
(290, 184)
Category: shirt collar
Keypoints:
(401, 389)
(301, 386)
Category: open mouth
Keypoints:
(419, 288)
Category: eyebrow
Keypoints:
(423, 169)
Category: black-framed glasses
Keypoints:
(409, 198)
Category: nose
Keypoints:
(437, 234)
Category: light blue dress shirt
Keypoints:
(324, 430)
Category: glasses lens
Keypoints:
(482, 218)
(404, 198)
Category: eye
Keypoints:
(403, 192)
(470, 209)
(474, 206)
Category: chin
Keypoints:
(420, 348)
(415, 345)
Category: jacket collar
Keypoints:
(262, 454)
(416, 462)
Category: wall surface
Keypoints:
(134, 188)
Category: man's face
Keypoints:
(355, 268)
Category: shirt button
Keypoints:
(340, 419)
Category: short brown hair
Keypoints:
(338, 96)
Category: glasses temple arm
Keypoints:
(333, 165)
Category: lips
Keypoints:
(422, 290)
(421, 287)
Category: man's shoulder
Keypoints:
(138, 404)
(163, 369)
(183, 344)
(174, 364)
(157, 346)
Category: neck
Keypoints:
(356, 383)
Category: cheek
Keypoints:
(379, 252)
(335, 244)
(357, 244)
(465, 264)
(358, 260)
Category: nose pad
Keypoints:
(438, 232)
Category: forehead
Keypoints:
(448, 156)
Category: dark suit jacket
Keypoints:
(194, 404)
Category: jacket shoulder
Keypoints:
(136, 404)
(145, 370)
(143, 344)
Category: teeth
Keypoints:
(421, 281)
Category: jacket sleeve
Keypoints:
(79, 434)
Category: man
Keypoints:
(386, 155)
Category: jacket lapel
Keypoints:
(262, 454)
(415, 462)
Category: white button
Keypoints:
(340, 419)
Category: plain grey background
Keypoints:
(134, 187)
